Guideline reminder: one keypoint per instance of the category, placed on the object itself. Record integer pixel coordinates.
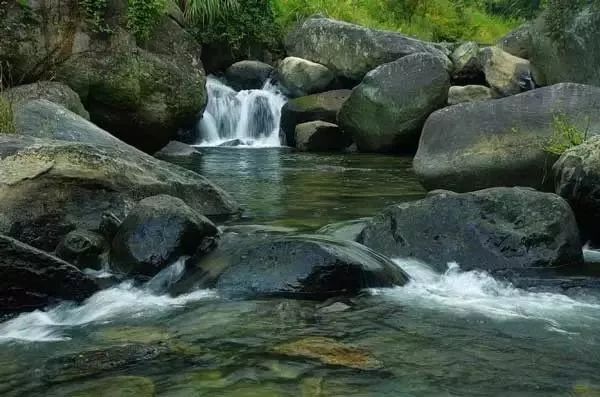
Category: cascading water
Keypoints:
(245, 118)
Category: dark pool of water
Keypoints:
(457, 334)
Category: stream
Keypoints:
(452, 334)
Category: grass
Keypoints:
(434, 20)
(7, 122)
(565, 135)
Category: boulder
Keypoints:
(505, 73)
(467, 65)
(84, 249)
(296, 267)
(248, 75)
(565, 44)
(517, 42)
(32, 279)
(301, 77)
(386, 112)
(52, 91)
(577, 177)
(468, 93)
(505, 231)
(324, 106)
(348, 50)
(40, 118)
(502, 142)
(49, 188)
(158, 231)
(320, 136)
(140, 89)
(176, 149)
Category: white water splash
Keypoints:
(251, 116)
(477, 292)
(122, 301)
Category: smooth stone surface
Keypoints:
(468, 93)
(385, 113)
(52, 91)
(346, 230)
(320, 136)
(324, 107)
(505, 231)
(505, 73)
(351, 50)
(248, 75)
(502, 142)
(158, 231)
(32, 279)
(301, 77)
(176, 149)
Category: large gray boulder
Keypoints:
(301, 77)
(506, 231)
(140, 89)
(52, 91)
(577, 177)
(386, 112)
(324, 107)
(158, 231)
(517, 42)
(32, 279)
(49, 188)
(505, 73)
(565, 44)
(299, 267)
(351, 50)
(248, 75)
(321, 136)
(502, 142)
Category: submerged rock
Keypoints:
(320, 136)
(318, 107)
(331, 352)
(351, 50)
(158, 231)
(386, 112)
(248, 75)
(301, 77)
(502, 142)
(49, 188)
(176, 149)
(84, 249)
(506, 231)
(302, 267)
(32, 279)
(347, 230)
(577, 177)
(117, 386)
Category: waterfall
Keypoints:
(244, 118)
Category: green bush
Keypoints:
(7, 122)
(144, 15)
(565, 135)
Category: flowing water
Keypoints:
(453, 334)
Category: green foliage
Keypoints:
(207, 10)
(7, 122)
(144, 15)
(565, 135)
(95, 11)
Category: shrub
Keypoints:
(565, 135)
(144, 15)
(7, 122)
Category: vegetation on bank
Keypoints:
(7, 123)
(565, 135)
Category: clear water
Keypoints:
(453, 334)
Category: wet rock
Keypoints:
(84, 249)
(176, 149)
(52, 91)
(576, 178)
(467, 65)
(506, 231)
(517, 42)
(117, 386)
(301, 77)
(350, 50)
(330, 352)
(158, 231)
(505, 73)
(347, 230)
(386, 112)
(476, 145)
(109, 225)
(320, 136)
(468, 93)
(248, 75)
(49, 188)
(233, 143)
(323, 107)
(304, 267)
(32, 279)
